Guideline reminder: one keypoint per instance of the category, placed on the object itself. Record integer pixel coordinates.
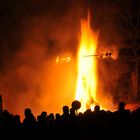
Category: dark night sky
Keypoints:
(15, 14)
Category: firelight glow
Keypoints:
(62, 60)
(86, 86)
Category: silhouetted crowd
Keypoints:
(70, 121)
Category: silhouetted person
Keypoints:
(42, 120)
(65, 118)
(1, 105)
(96, 108)
(29, 120)
(76, 105)
(50, 121)
(8, 119)
(72, 112)
(121, 118)
(65, 110)
(136, 118)
(121, 106)
(73, 119)
(57, 120)
(17, 122)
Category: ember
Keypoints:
(62, 60)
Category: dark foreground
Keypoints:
(91, 124)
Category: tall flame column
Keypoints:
(86, 88)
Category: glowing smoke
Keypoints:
(30, 76)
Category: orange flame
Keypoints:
(86, 88)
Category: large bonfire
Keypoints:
(87, 80)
